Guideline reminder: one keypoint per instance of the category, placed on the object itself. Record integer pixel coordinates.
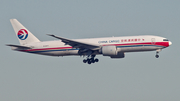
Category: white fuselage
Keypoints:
(113, 47)
(123, 44)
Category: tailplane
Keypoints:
(24, 35)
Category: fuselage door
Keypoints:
(153, 41)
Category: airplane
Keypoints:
(114, 47)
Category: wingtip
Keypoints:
(7, 44)
(12, 19)
(50, 34)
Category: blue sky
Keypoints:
(137, 77)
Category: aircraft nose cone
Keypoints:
(170, 43)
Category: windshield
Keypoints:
(165, 40)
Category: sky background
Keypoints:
(137, 77)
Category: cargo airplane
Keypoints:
(114, 47)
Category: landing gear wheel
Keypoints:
(89, 62)
(84, 60)
(92, 61)
(157, 52)
(157, 56)
(96, 60)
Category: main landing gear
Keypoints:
(91, 60)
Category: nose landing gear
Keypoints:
(157, 52)
(157, 56)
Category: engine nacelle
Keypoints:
(119, 55)
(109, 50)
(112, 52)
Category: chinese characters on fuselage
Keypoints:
(122, 40)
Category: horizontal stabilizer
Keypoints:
(18, 46)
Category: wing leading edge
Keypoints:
(76, 44)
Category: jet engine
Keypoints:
(112, 51)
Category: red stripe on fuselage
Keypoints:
(47, 49)
(165, 44)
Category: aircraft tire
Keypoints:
(157, 56)
(89, 62)
(96, 60)
(84, 60)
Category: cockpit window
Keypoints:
(165, 40)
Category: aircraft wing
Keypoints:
(19, 46)
(76, 44)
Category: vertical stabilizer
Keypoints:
(24, 35)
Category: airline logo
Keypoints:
(22, 34)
